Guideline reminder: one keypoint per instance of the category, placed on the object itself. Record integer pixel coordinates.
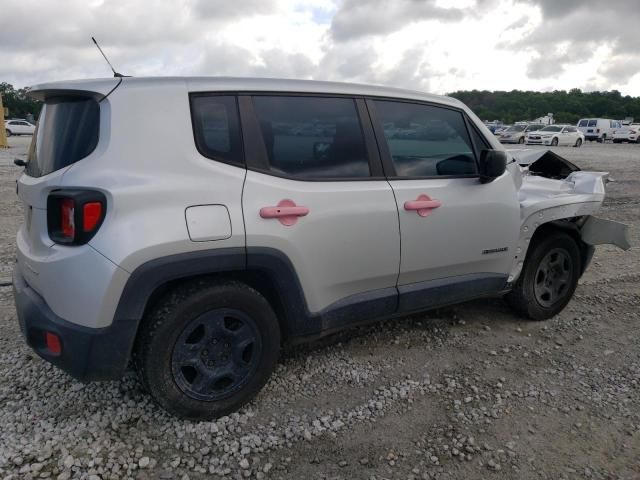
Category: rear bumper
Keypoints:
(87, 353)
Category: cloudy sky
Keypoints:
(432, 45)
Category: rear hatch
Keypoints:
(67, 131)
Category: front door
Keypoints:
(458, 234)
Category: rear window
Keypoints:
(67, 131)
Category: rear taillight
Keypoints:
(54, 345)
(67, 222)
(91, 216)
(74, 216)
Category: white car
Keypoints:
(19, 127)
(554, 135)
(517, 133)
(628, 133)
(274, 211)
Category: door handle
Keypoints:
(423, 205)
(287, 212)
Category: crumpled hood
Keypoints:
(548, 180)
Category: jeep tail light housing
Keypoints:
(74, 216)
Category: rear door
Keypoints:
(315, 192)
(456, 231)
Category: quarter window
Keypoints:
(426, 141)
(216, 128)
(312, 137)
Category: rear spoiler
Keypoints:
(96, 88)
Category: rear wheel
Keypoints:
(206, 350)
(548, 279)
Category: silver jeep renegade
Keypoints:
(189, 226)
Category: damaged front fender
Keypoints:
(553, 189)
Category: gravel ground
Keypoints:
(460, 393)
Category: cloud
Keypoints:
(434, 45)
(621, 68)
(356, 18)
(586, 25)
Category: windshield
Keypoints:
(534, 128)
(516, 128)
(67, 131)
(551, 128)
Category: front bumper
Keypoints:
(539, 142)
(87, 354)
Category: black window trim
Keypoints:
(257, 159)
(242, 163)
(254, 154)
(383, 146)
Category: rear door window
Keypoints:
(216, 127)
(312, 137)
(426, 141)
(67, 131)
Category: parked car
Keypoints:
(629, 133)
(501, 129)
(493, 126)
(18, 127)
(555, 135)
(517, 133)
(599, 129)
(273, 211)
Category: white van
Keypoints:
(599, 129)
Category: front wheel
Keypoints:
(8, 132)
(206, 350)
(554, 142)
(521, 140)
(548, 279)
(578, 143)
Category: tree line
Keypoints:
(567, 107)
(18, 102)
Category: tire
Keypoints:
(205, 350)
(578, 143)
(8, 132)
(532, 297)
(521, 140)
(554, 142)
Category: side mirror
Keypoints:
(493, 163)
